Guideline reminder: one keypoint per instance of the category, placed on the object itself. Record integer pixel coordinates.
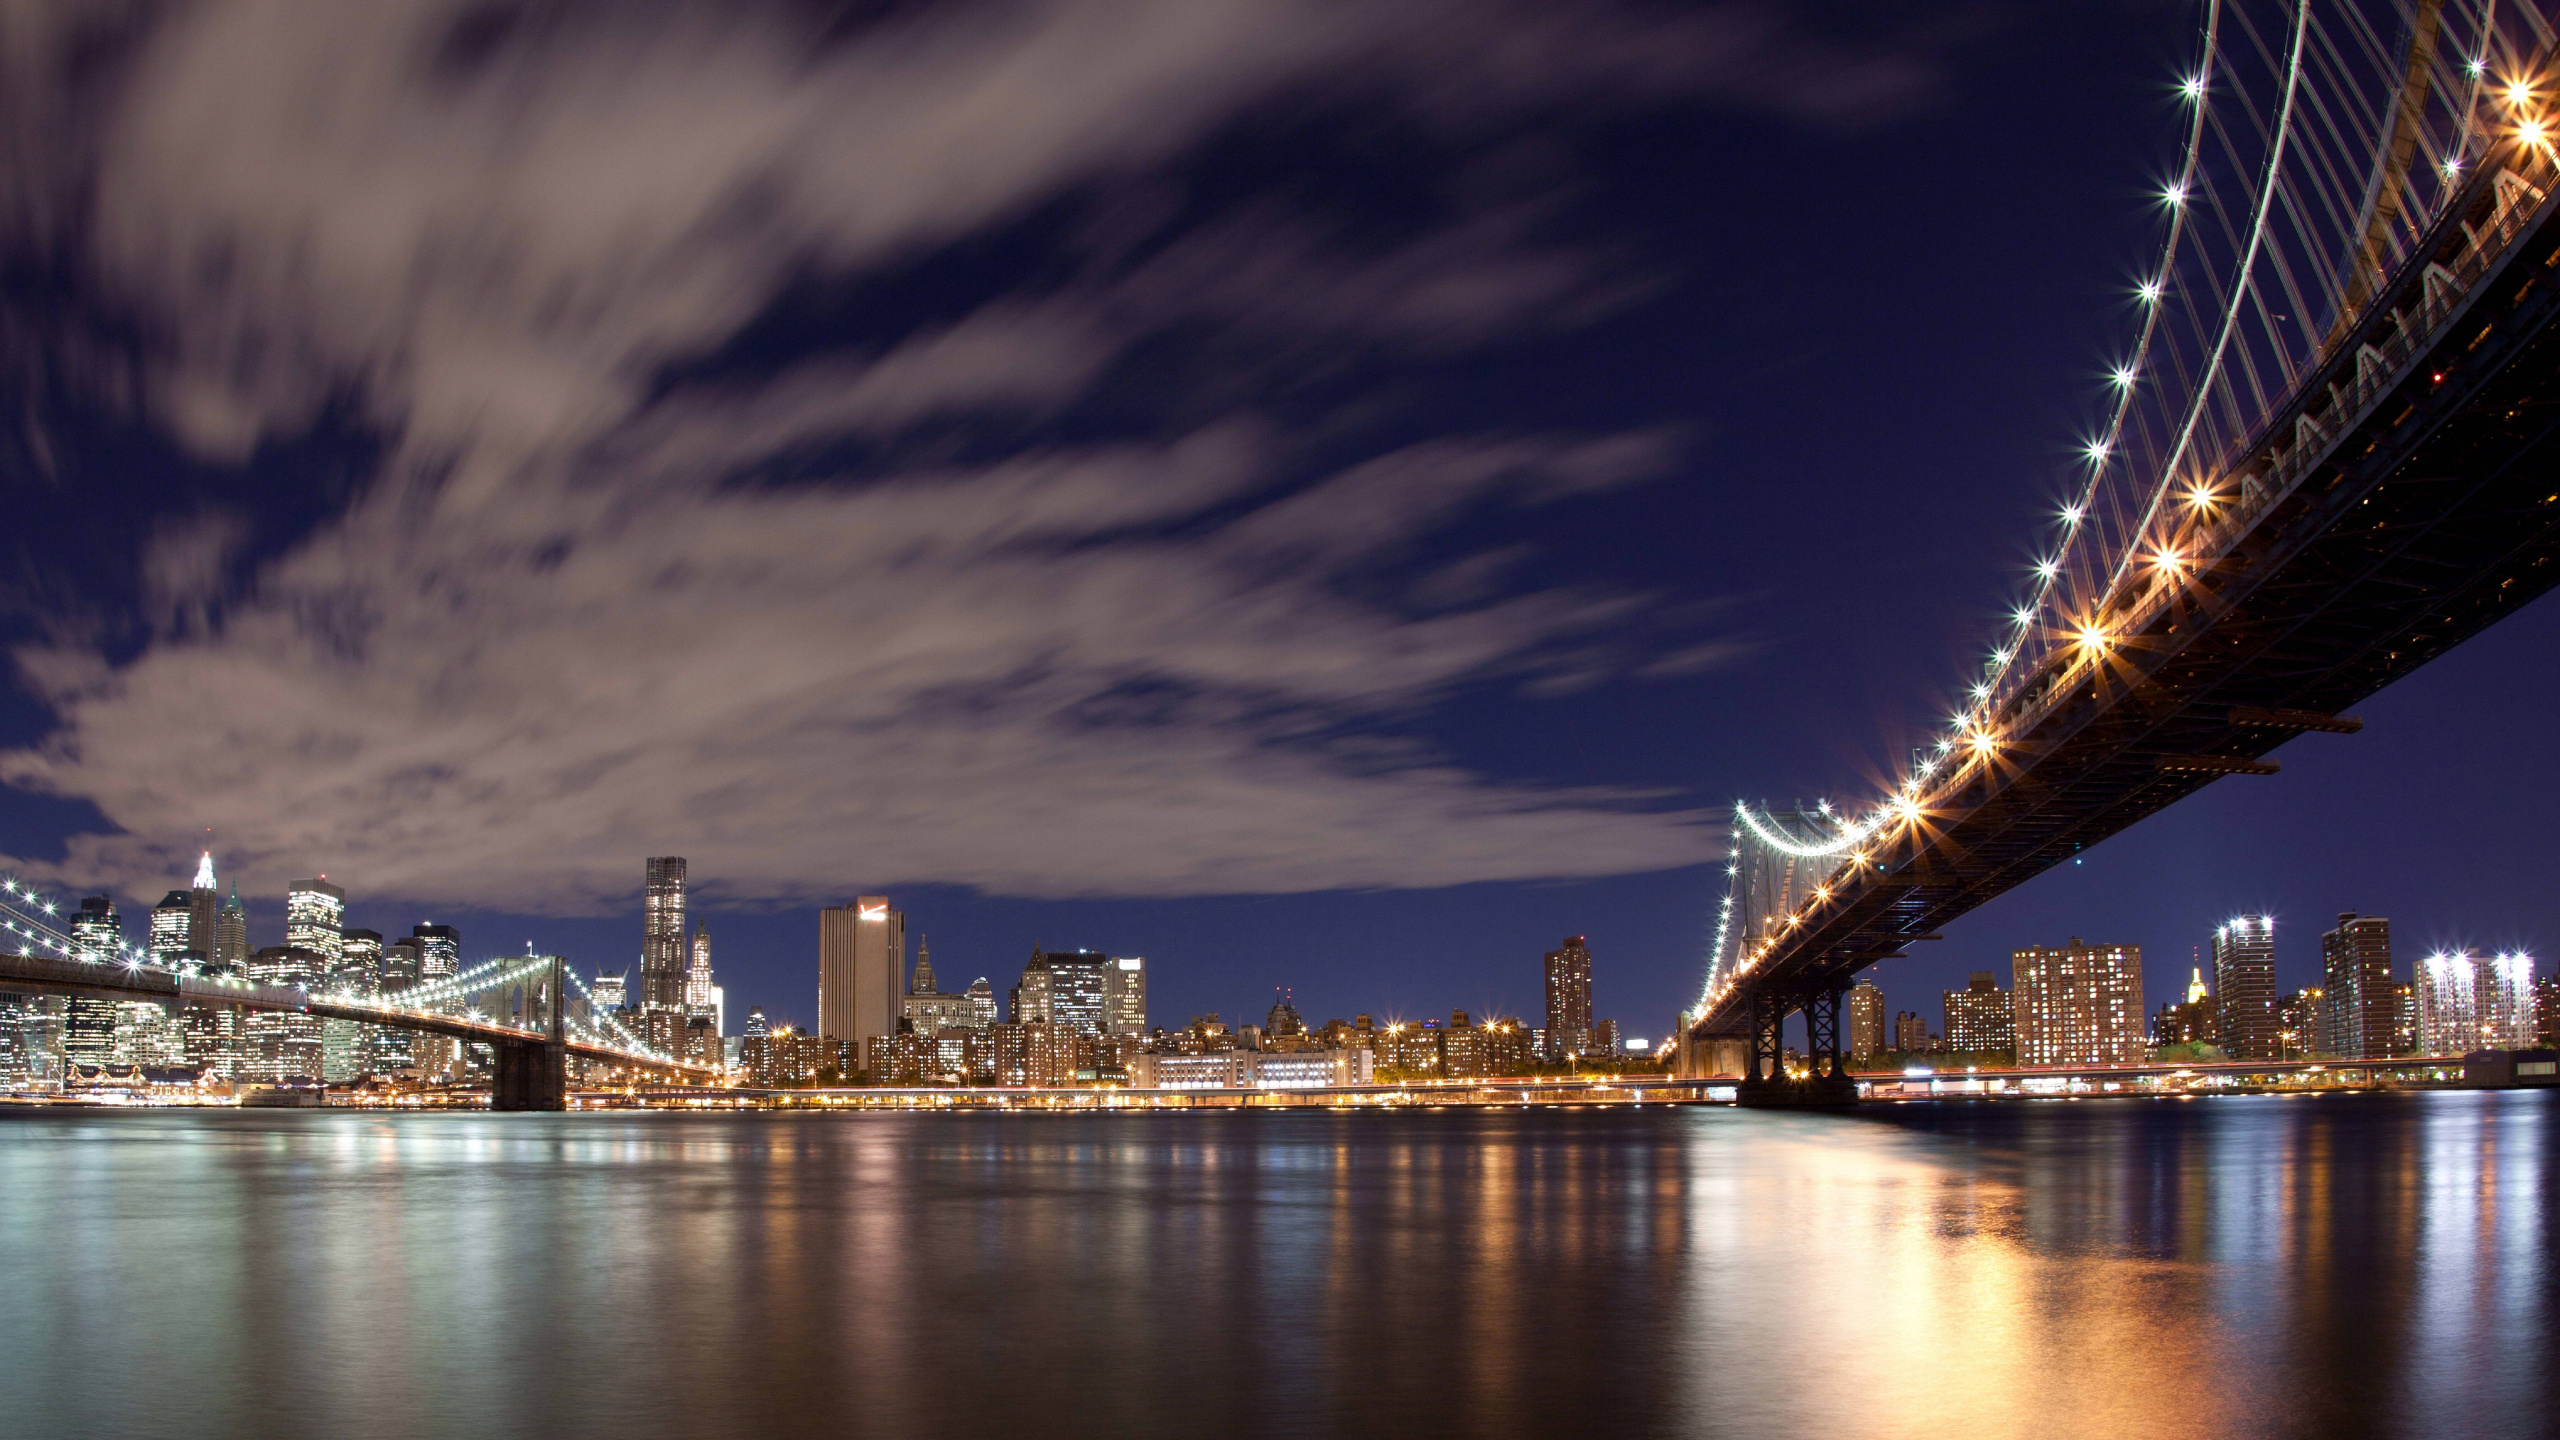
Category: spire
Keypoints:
(234, 902)
(924, 969)
(204, 872)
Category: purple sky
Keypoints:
(1330, 495)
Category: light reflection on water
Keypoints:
(2246, 1266)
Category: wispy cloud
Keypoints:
(557, 630)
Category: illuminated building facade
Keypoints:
(1978, 1016)
(862, 964)
(89, 1026)
(284, 1045)
(2077, 1004)
(698, 987)
(2299, 1017)
(663, 957)
(2503, 992)
(1080, 986)
(1127, 1006)
(1866, 1021)
(1569, 997)
(2244, 988)
(2448, 1005)
(930, 1010)
(2363, 1003)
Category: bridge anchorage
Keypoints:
(2329, 457)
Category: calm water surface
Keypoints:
(2333, 1266)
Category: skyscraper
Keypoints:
(231, 935)
(1128, 1002)
(89, 1026)
(172, 930)
(1031, 995)
(1569, 998)
(315, 919)
(2448, 1007)
(2244, 987)
(1080, 983)
(697, 975)
(862, 962)
(284, 1045)
(982, 1004)
(1866, 1020)
(204, 908)
(2078, 1004)
(1979, 1019)
(663, 961)
(2361, 1003)
(2503, 994)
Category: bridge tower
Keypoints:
(533, 1073)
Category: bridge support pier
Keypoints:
(1764, 1078)
(530, 1075)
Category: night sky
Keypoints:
(1328, 495)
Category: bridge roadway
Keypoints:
(2404, 498)
(531, 1075)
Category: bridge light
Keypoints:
(2532, 132)
(2092, 638)
(2519, 92)
(2149, 290)
(2192, 87)
(2001, 656)
(2097, 450)
(2048, 569)
(2200, 495)
(2175, 195)
(2123, 376)
(1984, 743)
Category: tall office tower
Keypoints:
(756, 1023)
(862, 965)
(375, 1048)
(2546, 1010)
(284, 1045)
(404, 964)
(2077, 1004)
(315, 919)
(2448, 1013)
(1569, 998)
(1127, 1006)
(439, 951)
(89, 1026)
(612, 990)
(931, 1010)
(663, 961)
(204, 909)
(1079, 989)
(1031, 994)
(923, 983)
(982, 1003)
(1978, 1016)
(2355, 961)
(1283, 1018)
(697, 974)
(172, 930)
(2244, 987)
(231, 935)
(2503, 995)
(1866, 1020)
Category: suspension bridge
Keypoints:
(2328, 458)
(522, 1007)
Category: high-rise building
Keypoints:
(284, 1045)
(2298, 1023)
(862, 963)
(1031, 993)
(1080, 983)
(2077, 1004)
(315, 919)
(2244, 988)
(204, 909)
(1866, 1021)
(1128, 1000)
(2448, 1007)
(1284, 1018)
(439, 950)
(2546, 1011)
(231, 934)
(928, 1008)
(172, 930)
(1911, 1033)
(2503, 994)
(1978, 1016)
(663, 961)
(982, 1004)
(89, 1026)
(697, 978)
(612, 989)
(2198, 1020)
(1569, 997)
(756, 1024)
(2362, 1005)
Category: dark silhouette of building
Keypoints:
(2363, 1004)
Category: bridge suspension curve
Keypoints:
(2349, 171)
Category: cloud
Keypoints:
(570, 621)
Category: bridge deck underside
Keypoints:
(2436, 515)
